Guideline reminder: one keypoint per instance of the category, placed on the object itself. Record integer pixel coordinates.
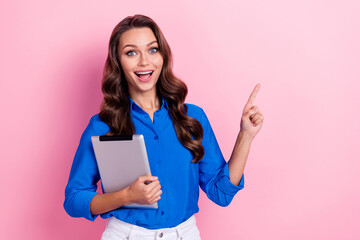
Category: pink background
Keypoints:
(302, 176)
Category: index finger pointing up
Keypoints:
(253, 94)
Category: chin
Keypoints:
(145, 87)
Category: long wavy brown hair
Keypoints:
(115, 107)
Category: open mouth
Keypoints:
(144, 75)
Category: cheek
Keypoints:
(159, 62)
(126, 65)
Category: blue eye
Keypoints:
(130, 53)
(153, 50)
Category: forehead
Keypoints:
(137, 36)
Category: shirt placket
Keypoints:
(157, 138)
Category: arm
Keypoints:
(138, 192)
(214, 170)
(81, 198)
(251, 123)
(238, 157)
(106, 202)
(84, 175)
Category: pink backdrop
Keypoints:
(302, 176)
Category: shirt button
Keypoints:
(162, 212)
(161, 235)
(156, 137)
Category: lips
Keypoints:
(144, 75)
(143, 72)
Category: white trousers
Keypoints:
(117, 229)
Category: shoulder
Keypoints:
(194, 111)
(198, 113)
(96, 127)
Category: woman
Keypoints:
(142, 96)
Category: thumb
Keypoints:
(148, 178)
(250, 112)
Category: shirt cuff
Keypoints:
(85, 198)
(226, 185)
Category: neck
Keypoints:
(147, 101)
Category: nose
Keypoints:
(143, 61)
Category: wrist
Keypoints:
(244, 136)
(124, 196)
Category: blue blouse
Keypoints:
(169, 160)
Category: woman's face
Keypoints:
(140, 60)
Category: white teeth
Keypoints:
(143, 72)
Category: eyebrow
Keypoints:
(131, 45)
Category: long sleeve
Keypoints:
(84, 175)
(214, 170)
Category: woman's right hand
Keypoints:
(142, 193)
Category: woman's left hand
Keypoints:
(252, 118)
